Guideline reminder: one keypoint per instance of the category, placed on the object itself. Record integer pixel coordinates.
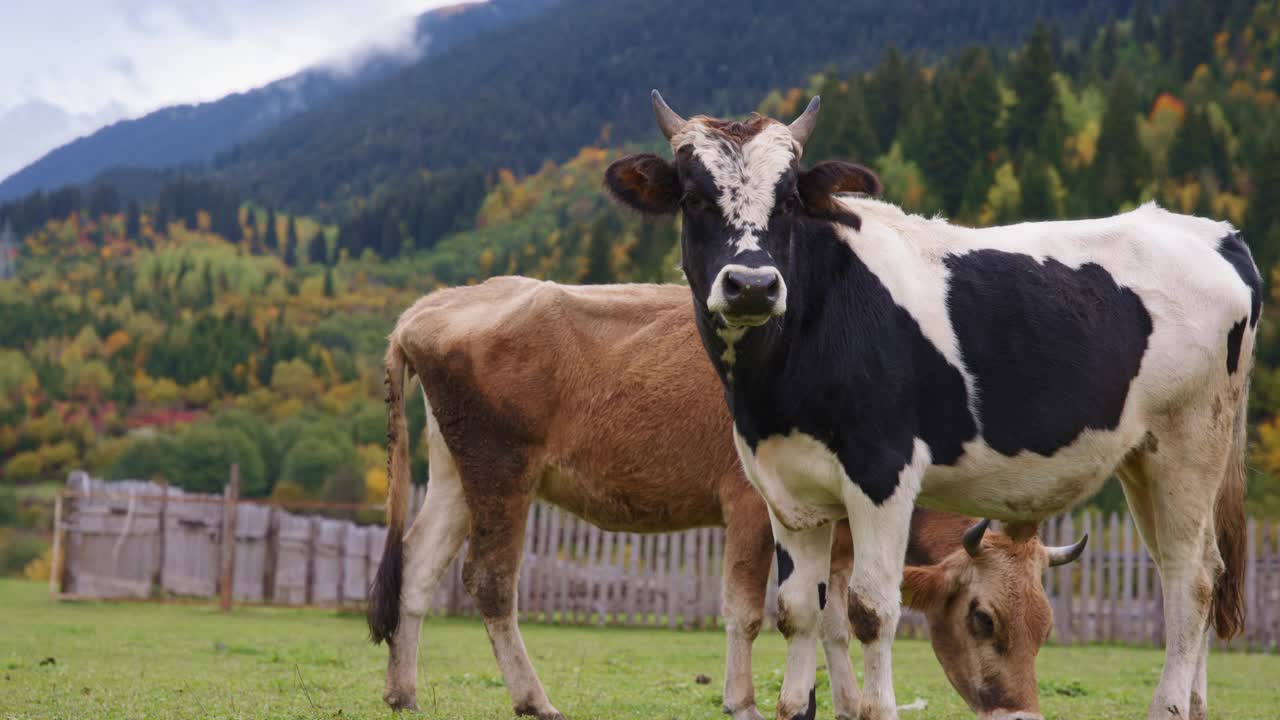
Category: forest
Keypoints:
(168, 338)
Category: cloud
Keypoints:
(83, 54)
(97, 61)
(122, 65)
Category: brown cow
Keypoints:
(600, 399)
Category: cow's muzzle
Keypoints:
(746, 297)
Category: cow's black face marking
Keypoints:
(1236, 252)
(848, 367)
(785, 564)
(1234, 337)
(1052, 349)
(822, 596)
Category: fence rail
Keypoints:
(141, 540)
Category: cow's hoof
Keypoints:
(872, 712)
(746, 712)
(549, 713)
(1198, 709)
(399, 701)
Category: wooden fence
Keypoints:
(140, 540)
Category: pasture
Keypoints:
(130, 660)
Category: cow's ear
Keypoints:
(925, 588)
(644, 182)
(821, 182)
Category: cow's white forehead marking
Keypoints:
(745, 176)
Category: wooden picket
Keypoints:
(139, 540)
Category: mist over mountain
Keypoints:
(42, 125)
(540, 89)
(192, 134)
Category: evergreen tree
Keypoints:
(1035, 120)
(270, 236)
(290, 255)
(1197, 147)
(317, 249)
(1038, 202)
(291, 231)
(328, 281)
(133, 221)
(1193, 34)
(1121, 167)
(206, 287)
(891, 92)
(1262, 219)
(847, 130)
(1144, 27)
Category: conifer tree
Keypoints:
(270, 236)
(1035, 120)
(1121, 167)
(317, 249)
(133, 221)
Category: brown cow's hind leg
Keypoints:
(430, 547)
(490, 574)
(748, 551)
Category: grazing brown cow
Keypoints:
(600, 399)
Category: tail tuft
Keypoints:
(384, 593)
(1227, 608)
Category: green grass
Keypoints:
(131, 660)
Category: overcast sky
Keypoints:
(100, 59)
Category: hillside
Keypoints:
(193, 134)
(173, 338)
(580, 74)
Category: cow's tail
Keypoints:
(1229, 519)
(384, 593)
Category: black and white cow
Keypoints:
(871, 358)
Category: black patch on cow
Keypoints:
(1234, 337)
(785, 565)
(822, 596)
(1235, 251)
(811, 712)
(846, 366)
(1052, 349)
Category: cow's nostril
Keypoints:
(732, 287)
(771, 290)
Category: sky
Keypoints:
(97, 61)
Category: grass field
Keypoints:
(103, 660)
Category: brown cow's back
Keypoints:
(592, 389)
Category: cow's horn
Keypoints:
(802, 127)
(668, 121)
(973, 538)
(1066, 553)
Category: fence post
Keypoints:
(228, 545)
(271, 542)
(313, 524)
(55, 560)
(157, 577)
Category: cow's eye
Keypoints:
(984, 626)
(693, 202)
(790, 204)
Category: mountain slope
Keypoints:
(544, 87)
(190, 134)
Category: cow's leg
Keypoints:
(804, 563)
(429, 548)
(1200, 686)
(1172, 491)
(835, 626)
(748, 550)
(880, 533)
(490, 574)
